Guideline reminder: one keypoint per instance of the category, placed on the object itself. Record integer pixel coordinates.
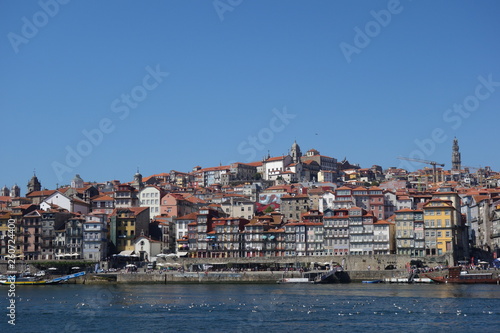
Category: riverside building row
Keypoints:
(290, 205)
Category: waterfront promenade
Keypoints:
(229, 276)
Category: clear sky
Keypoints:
(101, 88)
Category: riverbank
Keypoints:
(236, 277)
(227, 277)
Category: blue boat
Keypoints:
(372, 281)
(19, 279)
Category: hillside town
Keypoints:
(283, 206)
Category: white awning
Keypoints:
(126, 253)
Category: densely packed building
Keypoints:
(289, 205)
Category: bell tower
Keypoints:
(456, 161)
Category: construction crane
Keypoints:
(433, 163)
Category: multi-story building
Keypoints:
(181, 224)
(383, 237)
(253, 238)
(336, 236)
(162, 228)
(264, 237)
(5, 217)
(74, 236)
(94, 237)
(242, 171)
(293, 206)
(410, 232)
(60, 200)
(274, 242)
(361, 198)
(213, 175)
(343, 198)
(274, 166)
(125, 196)
(239, 207)
(326, 201)
(376, 201)
(304, 238)
(60, 251)
(495, 229)
(199, 230)
(226, 239)
(31, 228)
(360, 231)
(180, 204)
(439, 220)
(325, 162)
(313, 221)
(52, 220)
(102, 204)
(181, 179)
(150, 196)
(125, 224)
(459, 230)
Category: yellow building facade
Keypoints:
(439, 221)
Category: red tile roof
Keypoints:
(40, 193)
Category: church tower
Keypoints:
(137, 183)
(15, 191)
(5, 191)
(456, 161)
(77, 182)
(295, 152)
(34, 184)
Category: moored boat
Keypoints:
(457, 275)
(21, 279)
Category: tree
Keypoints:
(269, 209)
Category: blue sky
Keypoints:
(244, 78)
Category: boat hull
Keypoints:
(24, 283)
(20, 281)
(458, 276)
(464, 280)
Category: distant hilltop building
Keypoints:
(15, 191)
(34, 184)
(5, 192)
(77, 182)
(456, 161)
(295, 152)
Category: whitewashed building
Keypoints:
(150, 196)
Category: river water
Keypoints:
(354, 307)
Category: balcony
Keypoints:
(380, 240)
